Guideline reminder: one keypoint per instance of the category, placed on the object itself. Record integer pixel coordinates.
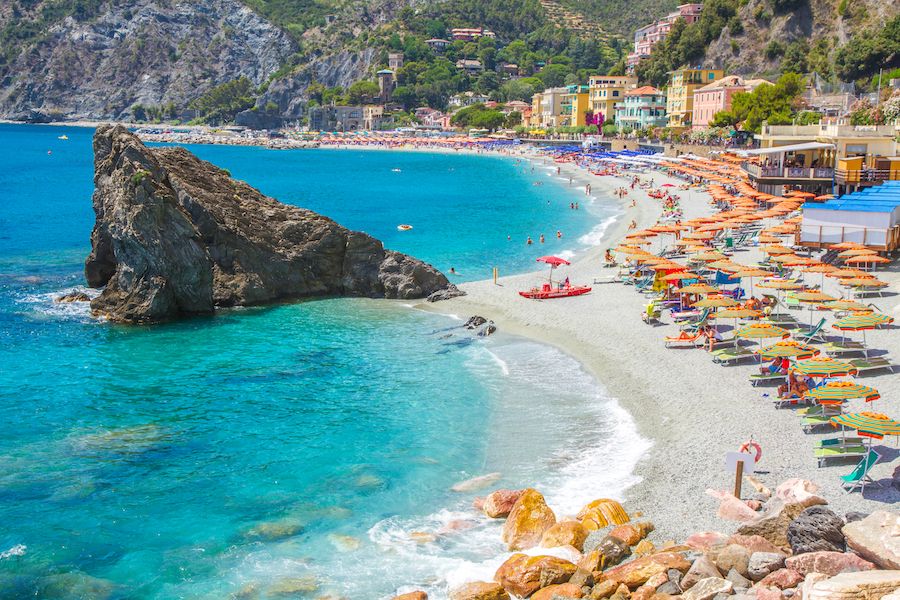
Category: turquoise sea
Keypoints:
(291, 450)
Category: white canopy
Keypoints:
(791, 148)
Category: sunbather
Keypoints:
(779, 365)
(712, 336)
(795, 386)
(753, 303)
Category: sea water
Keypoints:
(292, 447)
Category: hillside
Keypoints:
(141, 52)
(802, 39)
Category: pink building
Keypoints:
(717, 96)
(649, 35)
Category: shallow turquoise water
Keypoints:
(299, 444)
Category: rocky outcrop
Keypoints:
(175, 235)
(529, 519)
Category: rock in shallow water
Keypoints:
(175, 235)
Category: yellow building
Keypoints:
(680, 93)
(605, 92)
(574, 104)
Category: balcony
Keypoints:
(776, 172)
(864, 177)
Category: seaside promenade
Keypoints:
(694, 410)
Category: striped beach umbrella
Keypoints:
(777, 250)
(681, 275)
(788, 348)
(715, 302)
(867, 259)
(697, 288)
(726, 265)
(698, 236)
(846, 245)
(845, 305)
(876, 423)
(812, 296)
(862, 321)
(761, 331)
(823, 366)
(856, 252)
(835, 392)
(751, 273)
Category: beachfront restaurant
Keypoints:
(870, 216)
(807, 166)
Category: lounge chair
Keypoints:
(651, 314)
(683, 339)
(759, 377)
(820, 420)
(846, 347)
(871, 364)
(838, 442)
(724, 357)
(859, 477)
(816, 334)
(831, 452)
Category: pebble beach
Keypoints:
(694, 410)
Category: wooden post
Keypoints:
(738, 475)
(495, 275)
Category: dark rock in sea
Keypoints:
(487, 329)
(816, 529)
(176, 236)
(474, 322)
(450, 291)
(73, 297)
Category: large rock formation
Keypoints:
(177, 236)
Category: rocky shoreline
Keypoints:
(793, 547)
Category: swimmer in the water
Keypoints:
(529, 242)
(558, 234)
(542, 238)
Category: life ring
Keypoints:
(751, 445)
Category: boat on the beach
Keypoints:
(549, 291)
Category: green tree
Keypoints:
(554, 75)
(138, 112)
(362, 92)
(405, 96)
(517, 90)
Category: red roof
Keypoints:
(647, 90)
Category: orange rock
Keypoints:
(603, 512)
(527, 522)
(627, 533)
(520, 575)
(644, 548)
(603, 589)
(569, 590)
(412, 596)
(567, 533)
(592, 561)
(479, 590)
(637, 572)
(500, 503)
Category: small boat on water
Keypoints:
(404, 227)
(63, 137)
(548, 291)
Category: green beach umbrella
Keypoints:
(823, 366)
(838, 391)
(862, 321)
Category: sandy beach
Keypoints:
(694, 411)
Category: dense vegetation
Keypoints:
(778, 104)
(622, 16)
(686, 44)
(865, 54)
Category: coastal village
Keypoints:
(740, 306)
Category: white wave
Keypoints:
(504, 368)
(595, 236)
(44, 304)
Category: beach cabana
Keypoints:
(869, 217)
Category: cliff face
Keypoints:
(812, 21)
(176, 236)
(140, 53)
